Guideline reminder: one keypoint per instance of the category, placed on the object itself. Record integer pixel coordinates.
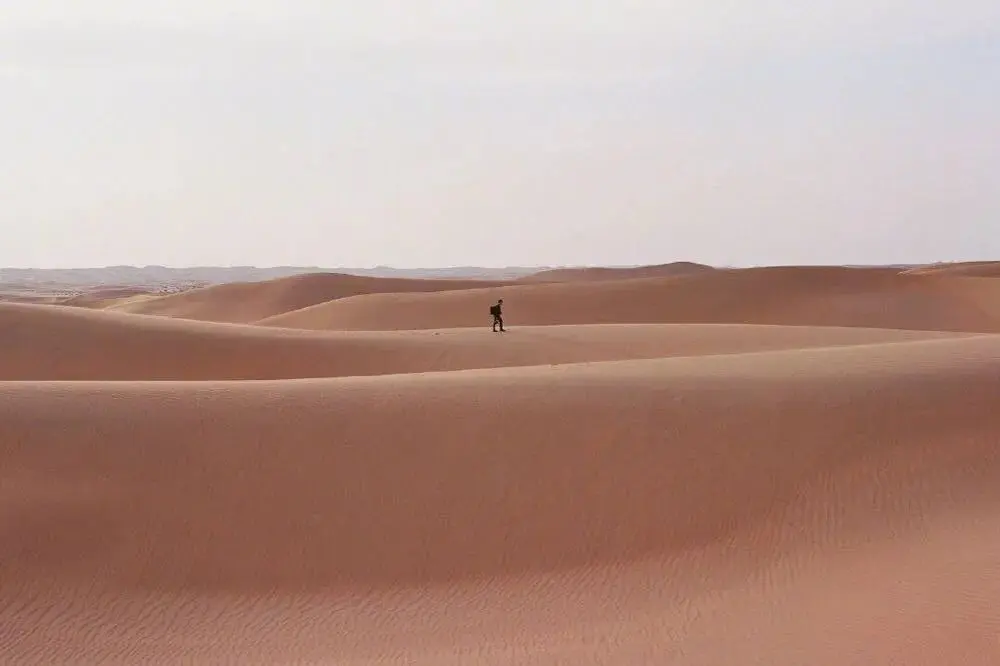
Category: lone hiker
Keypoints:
(497, 312)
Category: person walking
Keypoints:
(497, 312)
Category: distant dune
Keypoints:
(29, 297)
(103, 297)
(781, 465)
(970, 269)
(870, 298)
(601, 273)
(242, 302)
(158, 276)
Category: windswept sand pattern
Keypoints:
(792, 465)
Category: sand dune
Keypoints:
(241, 302)
(29, 298)
(104, 297)
(967, 268)
(810, 296)
(40, 296)
(820, 506)
(787, 465)
(63, 343)
(602, 273)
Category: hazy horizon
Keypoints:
(323, 133)
(389, 267)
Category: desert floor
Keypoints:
(668, 465)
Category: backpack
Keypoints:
(494, 310)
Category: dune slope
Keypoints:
(682, 510)
(63, 343)
(103, 297)
(987, 269)
(241, 302)
(780, 466)
(811, 296)
(604, 273)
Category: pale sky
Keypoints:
(464, 132)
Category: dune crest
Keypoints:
(244, 302)
(672, 269)
(795, 296)
(988, 269)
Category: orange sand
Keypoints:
(821, 490)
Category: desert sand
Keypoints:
(672, 269)
(969, 268)
(782, 465)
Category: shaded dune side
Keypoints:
(383, 481)
(607, 273)
(242, 302)
(63, 343)
(811, 296)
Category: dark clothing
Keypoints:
(497, 313)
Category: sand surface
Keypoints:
(811, 296)
(673, 269)
(967, 268)
(805, 469)
(246, 302)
